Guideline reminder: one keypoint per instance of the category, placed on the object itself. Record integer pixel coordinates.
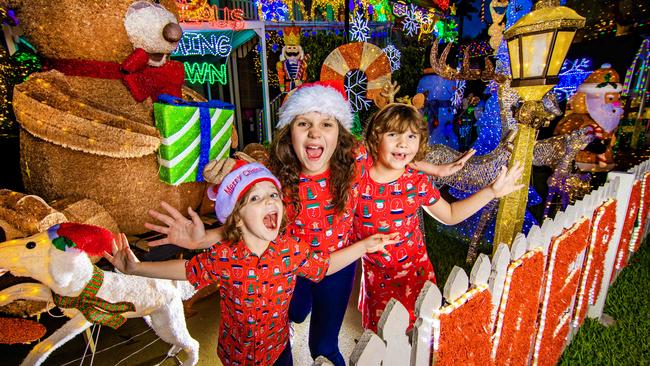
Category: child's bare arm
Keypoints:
(126, 262)
(443, 170)
(452, 214)
(342, 258)
(180, 231)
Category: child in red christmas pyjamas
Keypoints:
(391, 194)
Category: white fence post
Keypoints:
(428, 301)
(500, 262)
(369, 351)
(392, 329)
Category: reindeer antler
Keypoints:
(389, 90)
(440, 67)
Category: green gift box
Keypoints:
(193, 133)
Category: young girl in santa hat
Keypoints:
(254, 267)
(320, 164)
(391, 193)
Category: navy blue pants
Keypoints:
(285, 358)
(327, 301)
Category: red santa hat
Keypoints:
(327, 97)
(93, 240)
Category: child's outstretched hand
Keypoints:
(377, 242)
(504, 184)
(123, 258)
(179, 230)
(444, 170)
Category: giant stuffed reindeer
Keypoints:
(58, 258)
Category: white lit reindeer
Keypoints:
(58, 258)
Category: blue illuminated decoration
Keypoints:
(197, 44)
(517, 9)
(489, 133)
(273, 10)
(572, 74)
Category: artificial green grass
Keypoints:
(628, 341)
(447, 250)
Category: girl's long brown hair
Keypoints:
(284, 164)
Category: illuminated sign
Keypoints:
(203, 72)
(197, 44)
(201, 11)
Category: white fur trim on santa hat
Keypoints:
(316, 98)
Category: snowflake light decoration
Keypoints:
(411, 21)
(572, 74)
(356, 87)
(394, 56)
(457, 99)
(359, 29)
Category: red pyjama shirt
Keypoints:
(255, 294)
(318, 223)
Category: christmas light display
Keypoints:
(321, 7)
(411, 21)
(201, 73)
(565, 257)
(517, 9)
(446, 30)
(637, 73)
(490, 130)
(470, 312)
(202, 11)
(356, 87)
(394, 55)
(572, 74)
(457, 99)
(517, 313)
(272, 10)
(479, 48)
(197, 44)
(359, 28)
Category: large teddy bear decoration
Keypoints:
(87, 123)
(597, 105)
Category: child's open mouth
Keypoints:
(271, 220)
(314, 152)
(399, 156)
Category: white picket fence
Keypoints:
(524, 306)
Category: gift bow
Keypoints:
(205, 124)
(144, 80)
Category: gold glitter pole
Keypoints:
(512, 208)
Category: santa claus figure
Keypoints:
(292, 67)
(596, 104)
